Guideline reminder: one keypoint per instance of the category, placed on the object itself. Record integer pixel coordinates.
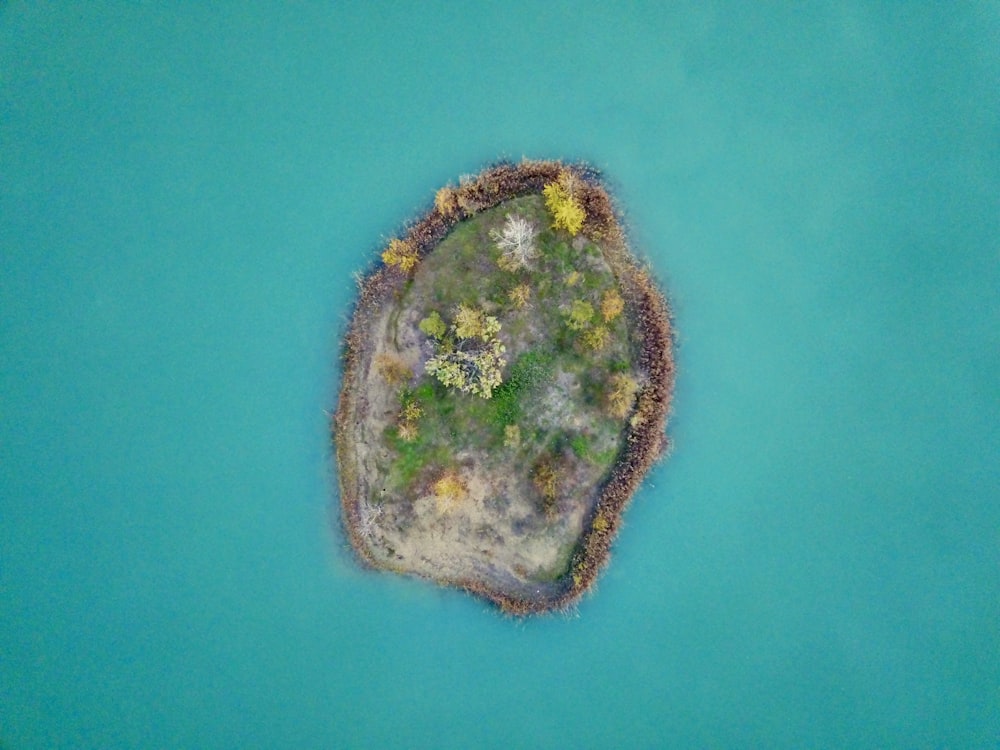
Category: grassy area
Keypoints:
(561, 351)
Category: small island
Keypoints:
(508, 375)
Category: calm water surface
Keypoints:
(184, 195)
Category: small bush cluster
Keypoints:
(580, 315)
(402, 254)
(407, 428)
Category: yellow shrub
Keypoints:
(507, 263)
(473, 322)
(520, 295)
(620, 395)
(579, 315)
(433, 325)
(445, 201)
(642, 409)
(400, 253)
(392, 369)
(596, 338)
(612, 305)
(569, 182)
(449, 492)
(411, 412)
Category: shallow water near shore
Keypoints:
(185, 197)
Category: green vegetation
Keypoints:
(525, 354)
(433, 325)
(579, 315)
(530, 370)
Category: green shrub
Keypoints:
(579, 315)
(433, 325)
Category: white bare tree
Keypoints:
(516, 242)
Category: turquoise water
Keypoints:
(184, 195)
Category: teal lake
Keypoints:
(186, 192)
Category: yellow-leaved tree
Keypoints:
(612, 305)
(620, 395)
(446, 201)
(473, 358)
(567, 213)
(401, 253)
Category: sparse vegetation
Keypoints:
(407, 427)
(531, 370)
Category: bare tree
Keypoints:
(516, 242)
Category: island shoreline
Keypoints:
(645, 438)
